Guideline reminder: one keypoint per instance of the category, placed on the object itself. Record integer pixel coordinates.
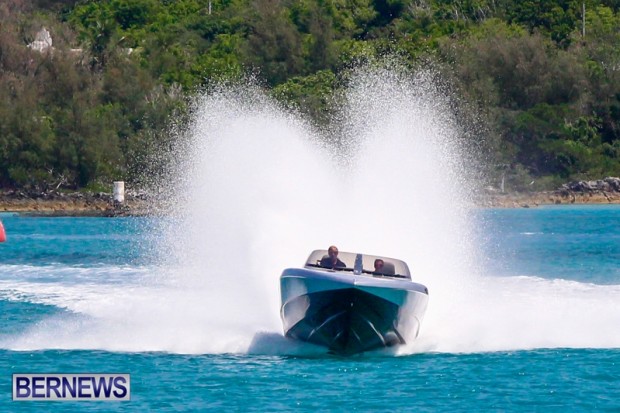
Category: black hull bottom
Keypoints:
(347, 321)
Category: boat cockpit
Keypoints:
(358, 264)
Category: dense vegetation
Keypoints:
(88, 110)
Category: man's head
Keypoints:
(333, 252)
(379, 265)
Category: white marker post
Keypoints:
(119, 192)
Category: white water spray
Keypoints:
(261, 191)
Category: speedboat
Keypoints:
(351, 308)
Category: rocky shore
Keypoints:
(56, 203)
(603, 191)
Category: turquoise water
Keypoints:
(539, 331)
(576, 243)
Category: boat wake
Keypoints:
(520, 313)
(527, 313)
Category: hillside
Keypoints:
(89, 105)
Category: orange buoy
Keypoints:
(2, 233)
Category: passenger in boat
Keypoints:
(379, 263)
(331, 259)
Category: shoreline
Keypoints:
(598, 192)
(73, 204)
(542, 198)
(79, 204)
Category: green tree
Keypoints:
(274, 44)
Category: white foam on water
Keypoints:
(258, 189)
(521, 313)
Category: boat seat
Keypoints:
(388, 268)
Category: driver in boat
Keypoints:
(331, 259)
(379, 263)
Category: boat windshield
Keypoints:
(360, 264)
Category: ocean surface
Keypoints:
(536, 328)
